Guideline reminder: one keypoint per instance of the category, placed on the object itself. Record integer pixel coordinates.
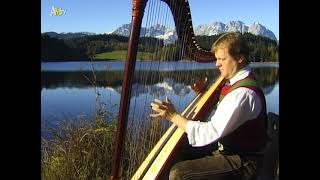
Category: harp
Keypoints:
(158, 161)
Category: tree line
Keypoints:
(262, 49)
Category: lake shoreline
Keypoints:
(118, 65)
(108, 60)
(67, 88)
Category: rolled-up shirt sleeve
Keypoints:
(200, 133)
(237, 107)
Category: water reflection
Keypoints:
(72, 93)
(178, 81)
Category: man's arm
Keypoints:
(235, 109)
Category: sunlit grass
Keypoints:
(81, 149)
(121, 55)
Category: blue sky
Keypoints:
(101, 16)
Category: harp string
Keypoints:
(155, 69)
(135, 154)
(158, 21)
(182, 43)
(134, 150)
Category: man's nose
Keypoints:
(217, 63)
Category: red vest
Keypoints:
(252, 135)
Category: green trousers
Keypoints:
(218, 166)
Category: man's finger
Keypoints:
(168, 100)
(154, 115)
(165, 104)
(155, 108)
(154, 105)
(159, 109)
(158, 101)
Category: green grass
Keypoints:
(120, 55)
(112, 55)
(82, 149)
(79, 150)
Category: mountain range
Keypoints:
(68, 35)
(234, 26)
(169, 34)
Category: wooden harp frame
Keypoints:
(151, 168)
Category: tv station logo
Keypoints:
(57, 11)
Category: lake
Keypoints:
(70, 90)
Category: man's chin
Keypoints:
(226, 77)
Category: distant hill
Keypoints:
(68, 35)
(79, 47)
(169, 35)
(82, 46)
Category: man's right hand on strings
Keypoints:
(164, 109)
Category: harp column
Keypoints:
(137, 14)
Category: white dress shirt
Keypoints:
(237, 107)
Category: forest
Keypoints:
(262, 49)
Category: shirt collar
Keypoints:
(242, 73)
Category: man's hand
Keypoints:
(164, 109)
(199, 86)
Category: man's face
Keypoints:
(227, 65)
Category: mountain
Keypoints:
(210, 29)
(233, 26)
(124, 30)
(258, 29)
(68, 35)
(169, 35)
(158, 31)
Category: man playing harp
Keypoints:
(238, 124)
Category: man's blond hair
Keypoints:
(234, 42)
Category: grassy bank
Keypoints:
(120, 55)
(79, 149)
(82, 149)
